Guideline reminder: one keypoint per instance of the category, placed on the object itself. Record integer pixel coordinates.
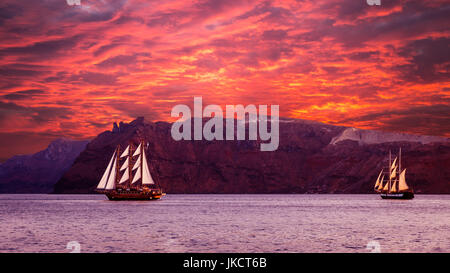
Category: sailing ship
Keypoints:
(394, 186)
(130, 180)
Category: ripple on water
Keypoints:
(225, 223)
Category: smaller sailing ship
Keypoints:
(130, 180)
(394, 186)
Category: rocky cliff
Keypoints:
(312, 158)
(39, 172)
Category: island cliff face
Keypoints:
(312, 158)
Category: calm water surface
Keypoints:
(225, 223)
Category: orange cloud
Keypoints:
(72, 70)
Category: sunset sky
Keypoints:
(71, 71)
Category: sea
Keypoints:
(224, 223)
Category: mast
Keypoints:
(117, 165)
(142, 162)
(129, 164)
(399, 168)
(389, 168)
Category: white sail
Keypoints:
(126, 152)
(138, 150)
(112, 177)
(386, 187)
(394, 172)
(124, 166)
(393, 187)
(380, 187)
(393, 164)
(137, 175)
(101, 185)
(402, 186)
(377, 184)
(146, 177)
(137, 164)
(125, 177)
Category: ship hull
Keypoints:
(402, 195)
(133, 195)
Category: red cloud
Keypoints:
(341, 62)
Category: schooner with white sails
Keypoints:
(127, 177)
(391, 182)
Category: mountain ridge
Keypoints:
(38, 172)
(307, 161)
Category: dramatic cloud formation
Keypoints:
(73, 70)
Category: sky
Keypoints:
(71, 71)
